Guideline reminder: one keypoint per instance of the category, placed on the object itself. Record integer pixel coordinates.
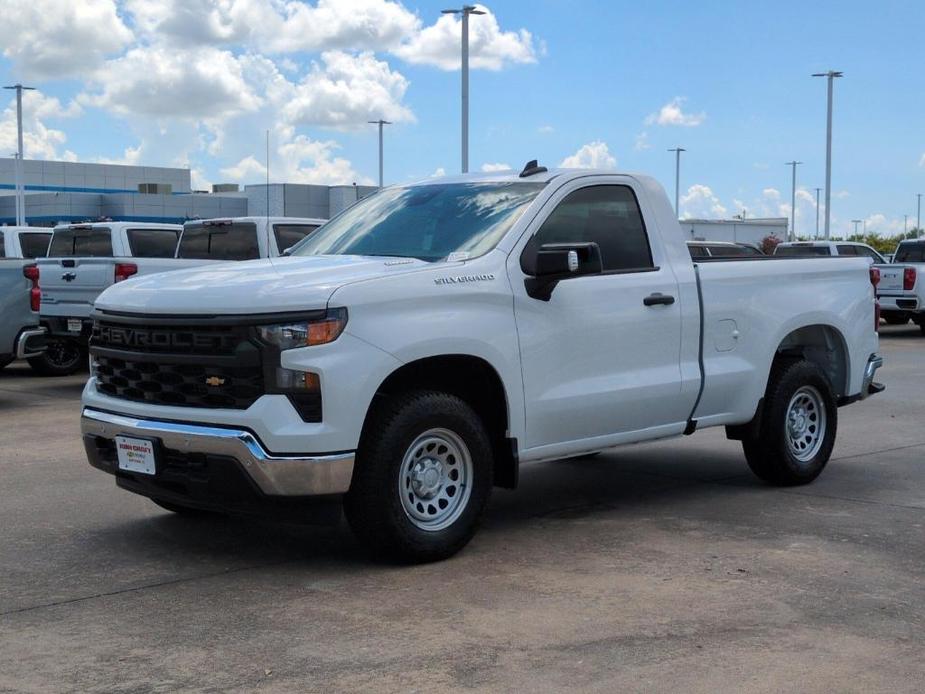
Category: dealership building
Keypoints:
(750, 231)
(60, 191)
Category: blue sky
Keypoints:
(167, 82)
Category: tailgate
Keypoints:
(891, 279)
(71, 285)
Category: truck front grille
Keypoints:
(182, 365)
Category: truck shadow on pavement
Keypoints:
(625, 483)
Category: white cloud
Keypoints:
(922, 160)
(672, 114)
(700, 202)
(156, 81)
(642, 142)
(347, 91)
(545, 130)
(299, 160)
(40, 141)
(287, 26)
(277, 26)
(489, 47)
(131, 156)
(594, 155)
(495, 167)
(50, 39)
(439, 172)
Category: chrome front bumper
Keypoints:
(30, 343)
(275, 475)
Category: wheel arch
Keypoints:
(475, 381)
(823, 345)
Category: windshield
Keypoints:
(428, 222)
(219, 241)
(802, 250)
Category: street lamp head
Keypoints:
(466, 9)
(830, 73)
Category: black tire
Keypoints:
(387, 461)
(895, 317)
(770, 454)
(60, 358)
(183, 510)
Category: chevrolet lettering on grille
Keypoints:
(141, 338)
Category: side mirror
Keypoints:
(553, 262)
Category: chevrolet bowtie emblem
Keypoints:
(215, 381)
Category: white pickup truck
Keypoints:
(423, 344)
(901, 291)
(85, 259)
(20, 334)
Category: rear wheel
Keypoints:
(799, 420)
(422, 479)
(62, 357)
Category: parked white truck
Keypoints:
(426, 342)
(901, 291)
(20, 334)
(85, 259)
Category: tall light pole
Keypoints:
(464, 12)
(677, 177)
(855, 222)
(830, 75)
(918, 215)
(817, 213)
(380, 123)
(793, 200)
(20, 195)
(905, 223)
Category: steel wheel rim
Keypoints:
(435, 479)
(62, 353)
(805, 423)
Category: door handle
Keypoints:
(657, 298)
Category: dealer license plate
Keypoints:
(74, 325)
(135, 455)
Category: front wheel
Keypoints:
(60, 358)
(799, 420)
(422, 479)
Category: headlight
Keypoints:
(319, 331)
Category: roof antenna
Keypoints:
(532, 168)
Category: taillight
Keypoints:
(875, 280)
(125, 270)
(908, 278)
(31, 273)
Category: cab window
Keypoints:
(847, 250)
(288, 235)
(910, 253)
(81, 243)
(607, 215)
(153, 243)
(34, 245)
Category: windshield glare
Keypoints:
(428, 222)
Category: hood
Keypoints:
(254, 286)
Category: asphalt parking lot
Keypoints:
(659, 567)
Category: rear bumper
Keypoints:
(899, 303)
(57, 326)
(210, 456)
(30, 343)
(868, 386)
